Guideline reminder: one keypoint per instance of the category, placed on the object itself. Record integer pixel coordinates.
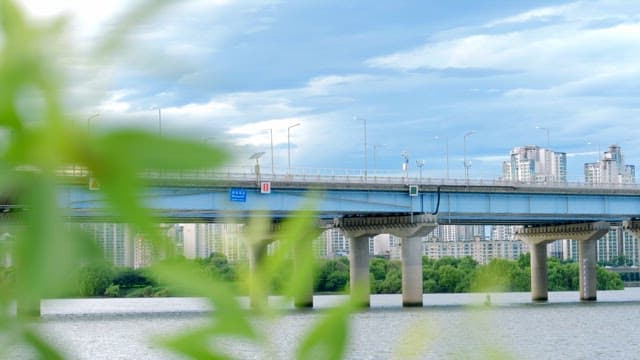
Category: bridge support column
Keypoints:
(539, 279)
(587, 270)
(303, 252)
(411, 228)
(586, 233)
(359, 269)
(412, 271)
(258, 294)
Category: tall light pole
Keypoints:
(446, 153)
(160, 121)
(364, 122)
(405, 164)
(272, 167)
(547, 130)
(289, 146)
(420, 164)
(257, 156)
(89, 121)
(466, 164)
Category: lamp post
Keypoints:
(272, 167)
(257, 156)
(364, 123)
(547, 130)
(446, 153)
(405, 165)
(289, 146)
(420, 164)
(89, 121)
(466, 163)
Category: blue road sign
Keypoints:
(238, 195)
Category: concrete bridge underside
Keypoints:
(585, 233)
(410, 228)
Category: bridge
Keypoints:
(364, 206)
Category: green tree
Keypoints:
(608, 280)
(392, 283)
(562, 276)
(94, 279)
(451, 279)
(332, 275)
(127, 278)
(218, 266)
(112, 291)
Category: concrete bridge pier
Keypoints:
(412, 288)
(539, 277)
(359, 268)
(588, 278)
(302, 255)
(539, 236)
(258, 295)
(412, 251)
(411, 228)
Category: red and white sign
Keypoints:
(265, 187)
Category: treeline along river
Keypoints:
(446, 275)
(449, 325)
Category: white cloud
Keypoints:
(564, 48)
(543, 13)
(327, 84)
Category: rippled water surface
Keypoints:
(449, 326)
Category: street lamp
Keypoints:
(420, 164)
(272, 167)
(547, 130)
(257, 156)
(289, 146)
(466, 164)
(160, 121)
(89, 121)
(446, 153)
(405, 164)
(364, 122)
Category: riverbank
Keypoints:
(187, 305)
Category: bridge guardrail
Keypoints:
(347, 176)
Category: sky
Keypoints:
(420, 74)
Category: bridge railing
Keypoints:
(346, 176)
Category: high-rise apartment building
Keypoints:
(200, 240)
(115, 240)
(532, 164)
(337, 244)
(535, 164)
(611, 169)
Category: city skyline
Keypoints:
(418, 76)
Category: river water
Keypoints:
(449, 326)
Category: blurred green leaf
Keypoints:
(195, 344)
(44, 350)
(139, 150)
(328, 338)
(188, 278)
(139, 12)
